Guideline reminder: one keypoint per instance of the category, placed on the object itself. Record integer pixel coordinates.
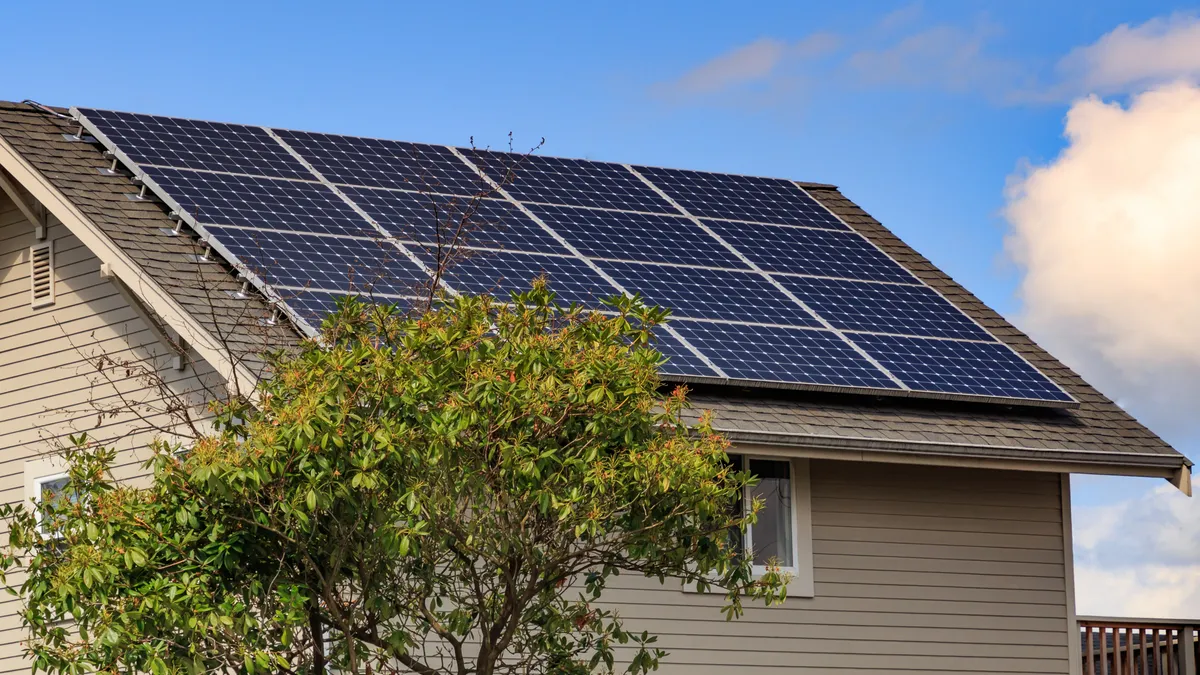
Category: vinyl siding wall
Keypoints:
(917, 569)
(48, 388)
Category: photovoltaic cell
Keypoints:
(268, 203)
(951, 366)
(430, 219)
(782, 354)
(644, 237)
(194, 144)
(313, 305)
(574, 182)
(884, 308)
(680, 359)
(373, 162)
(328, 263)
(709, 294)
(799, 250)
(500, 273)
(761, 200)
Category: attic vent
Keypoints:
(41, 274)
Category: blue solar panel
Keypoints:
(884, 308)
(432, 219)
(782, 354)
(268, 203)
(500, 273)
(372, 162)
(574, 182)
(644, 237)
(800, 250)
(194, 144)
(314, 305)
(329, 263)
(295, 233)
(702, 293)
(760, 200)
(951, 366)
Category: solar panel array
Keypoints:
(766, 284)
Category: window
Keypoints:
(50, 490)
(41, 274)
(783, 532)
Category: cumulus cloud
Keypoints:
(1132, 58)
(1140, 557)
(1108, 235)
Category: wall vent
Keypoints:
(41, 274)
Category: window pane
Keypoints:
(772, 534)
(53, 492)
(737, 508)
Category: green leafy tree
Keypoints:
(448, 492)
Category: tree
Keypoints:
(441, 492)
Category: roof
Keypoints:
(1097, 432)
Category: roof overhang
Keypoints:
(1175, 469)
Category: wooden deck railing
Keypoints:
(1113, 646)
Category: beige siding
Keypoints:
(917, 570)
(48, 386)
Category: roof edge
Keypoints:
(1084, 461)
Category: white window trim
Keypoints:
(39, 472)
(801, 584)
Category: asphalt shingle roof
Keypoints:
(1097, 431)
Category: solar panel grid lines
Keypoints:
(782, 289)
(753, 352)
(571, 182)
(956, 366)
(704, 293)
(884, 308)
(644, 237)
(194, 144)
(439, 219)
(750, 258)
(371, 162)
(591, 264)
(745, 198)
(358, 209)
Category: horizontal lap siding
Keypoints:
(48, 388)
(917, 570)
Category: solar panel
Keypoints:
(574, 182)
(759, 200)
(314, 305)
(796, 250)
(772, 353)
(500, 273)
(439, 219)
(329, 263)
(884, 308)
(260, 202)
(952, 366)
(646, 237)
(702, 293)
(373, 162)
(768, 287)
(151, 140)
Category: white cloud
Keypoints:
(944, 57)
(1132, 58)
(759, 61)
(1108, 235)
(1140, 557)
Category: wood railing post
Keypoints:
(1187, 650)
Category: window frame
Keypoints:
(38, 482)
(801, 584)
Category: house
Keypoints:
(927, 530)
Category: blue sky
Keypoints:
(922, 113)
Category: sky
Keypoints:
(1045, 155)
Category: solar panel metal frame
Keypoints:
(306, 327)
